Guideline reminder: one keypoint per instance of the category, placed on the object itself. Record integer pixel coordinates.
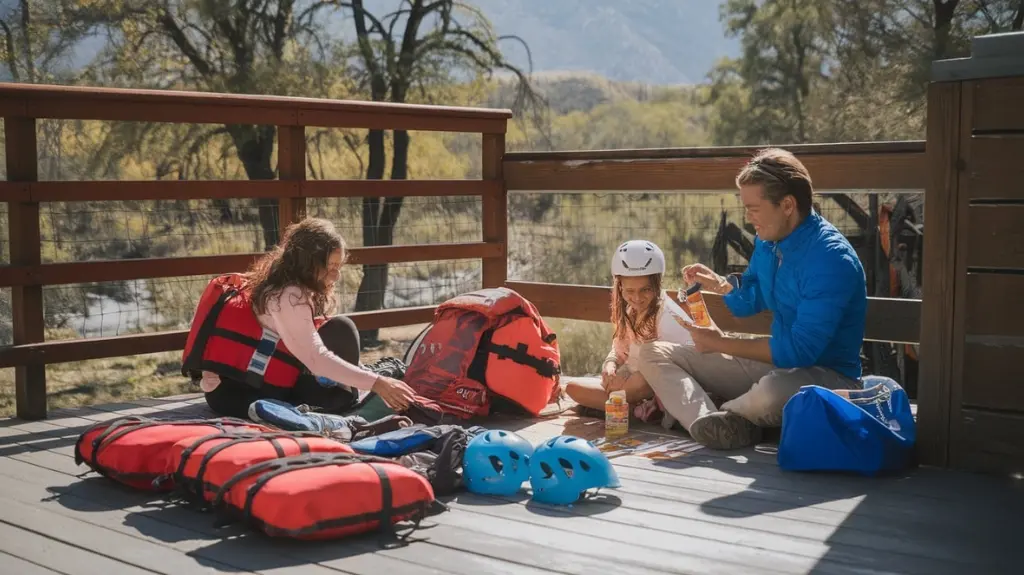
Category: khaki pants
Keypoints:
(682, 378)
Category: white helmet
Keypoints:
(638, 258)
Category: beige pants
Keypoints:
(682, 378)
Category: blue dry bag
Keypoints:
(871, 433)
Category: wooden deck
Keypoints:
(702, 512)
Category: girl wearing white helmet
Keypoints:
(640, 313)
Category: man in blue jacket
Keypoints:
(803, 270)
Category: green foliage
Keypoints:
(835, 70)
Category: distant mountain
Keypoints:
(647, 41)
(644, 41)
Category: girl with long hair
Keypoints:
(641, 312)
(287, 288)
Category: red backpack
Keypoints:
(485, 346)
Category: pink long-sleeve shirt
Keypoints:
(289, 315)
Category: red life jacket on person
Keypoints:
(486, 345)
(226, 338)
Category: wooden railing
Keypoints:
(21, 105)
(876, 166)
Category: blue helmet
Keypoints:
(564, 467)
(496, 462)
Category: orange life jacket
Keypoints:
(489, 341)
(885, 231)
(226, 338)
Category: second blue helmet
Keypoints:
(563, 468)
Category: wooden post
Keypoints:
(291, 166)
(494, 211)
(938, 280)
(26, 301)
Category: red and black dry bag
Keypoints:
(203, 464)
(135, 450)
(326, 496)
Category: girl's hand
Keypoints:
(709, 280)
(608, 374)
(617, 383)
(396, 394)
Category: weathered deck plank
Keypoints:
(703, 513)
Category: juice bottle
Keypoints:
(698, 309)
(616, 415)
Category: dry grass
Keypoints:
(100, 381)
(583, 345)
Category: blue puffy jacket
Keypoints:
(814, 284)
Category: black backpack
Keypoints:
(441, 463)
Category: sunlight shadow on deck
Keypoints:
(702, 512)
(956, 518)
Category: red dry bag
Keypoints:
(203, 464)
(134, 450)
(326, 496)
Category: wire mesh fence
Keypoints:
(420, 220)
(553, 237)
(570, 238)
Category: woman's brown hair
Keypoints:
(300, 260)
(642, 324)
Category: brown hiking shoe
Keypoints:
(724, 430)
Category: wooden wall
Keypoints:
(973, 312)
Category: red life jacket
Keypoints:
(489, 341)
(227, 339)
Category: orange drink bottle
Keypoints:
(698, 309)
(616, 415)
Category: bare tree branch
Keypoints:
(177, 35)
(26, 32)
(10, 52)
(982, 7)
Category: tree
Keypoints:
(1002, 15)
(833, 70)
(37, 37)
(235, 46)
(785, 57)
(418, 45)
